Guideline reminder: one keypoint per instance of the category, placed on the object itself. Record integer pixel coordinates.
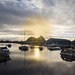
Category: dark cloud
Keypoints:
(14, 13)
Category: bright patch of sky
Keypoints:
(60, 13)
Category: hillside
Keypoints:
(36, 41)
(59, 41)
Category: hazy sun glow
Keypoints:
(38, 26)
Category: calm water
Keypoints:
(35, 62)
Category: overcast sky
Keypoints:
(60, 13)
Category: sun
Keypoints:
(37, 26)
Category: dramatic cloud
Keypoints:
(59, 11)
(14, 13)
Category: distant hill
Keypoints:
(36, 41)
(59, 41)
(31, 39)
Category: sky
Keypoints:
(49, 18)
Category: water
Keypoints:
(36, 62)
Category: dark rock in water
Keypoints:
(32, 47)
(40, 48)
(36, 41)
(58, 41)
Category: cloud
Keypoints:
(61, 12)
(58, 11)
(14, 13)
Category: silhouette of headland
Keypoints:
(36, 41)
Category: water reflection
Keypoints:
(68, 58)
(4, 59)
(36, 62)
(68, 54)
(36, 52)
(41, 48)
(33, 53)
(4, 54)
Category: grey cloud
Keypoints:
(59, 11)
(62, 12)
(15, 32)
(14, 13)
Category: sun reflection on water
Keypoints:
(36, 53)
